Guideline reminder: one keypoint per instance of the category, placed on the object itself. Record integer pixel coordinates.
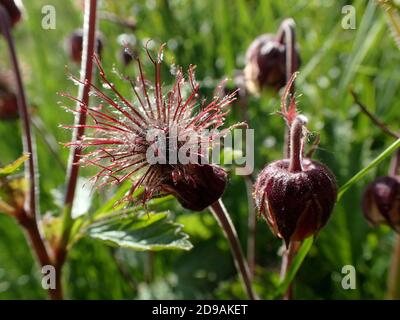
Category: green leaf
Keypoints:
(12, 167)
(140, 231)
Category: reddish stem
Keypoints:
(224, 220)
(28, 216)
(89, 35)
(27, 139)
(83, 95)
(287, 35)
(249, 181)
(296, 148)
(395, 164)
(287, 259)
(373, 118)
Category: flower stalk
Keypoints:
(28, 216)
(89, 36)
(393, 281)
(222, 216)
(287, 35)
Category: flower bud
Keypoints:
(197, 186)
(125, 56)
(381, 202)
(296, 195)
(8, 99)
(128, 51)
(8, 106)
(265, 64)
(13, 11)
(295, 204)
(75, 45)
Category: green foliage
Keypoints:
(12, 167)
(140, 231)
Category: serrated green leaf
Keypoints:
(12, 167)
(141, 231)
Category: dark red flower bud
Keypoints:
(265, 64)
(197, 186)
(8, 99)
(126, 56)
(381, 202)
(8, 106)
(295, 196)
(75, 45)
(13, 10)
(128, 48)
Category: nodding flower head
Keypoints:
(266, 59)
(296, 196)
(158, 140)
(265, 64)
(381, 202)
(14, 10)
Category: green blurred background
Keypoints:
(214, 35)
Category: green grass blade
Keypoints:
(389, 150)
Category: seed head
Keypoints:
(121, 137)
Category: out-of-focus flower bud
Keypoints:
(75, 45)
(13, 9)
(127, 52)
(381, 202)
(8, 98)
(265, 64)
(272, 58)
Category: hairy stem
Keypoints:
(221, 215)
(38, 245)
(28, 217)
(296, 149)
(249, 180)
(287, 36)
(395, 164)
(287, 259)
(89, 33)
(252, 226)
(295, 165)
